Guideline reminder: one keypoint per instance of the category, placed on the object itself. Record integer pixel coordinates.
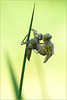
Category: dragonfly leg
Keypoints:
(36, 52)
(22, 43)
(24, 40)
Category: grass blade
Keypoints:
(10, 66)
(24, 61)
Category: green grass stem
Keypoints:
(24, 61)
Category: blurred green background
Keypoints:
(41, 81)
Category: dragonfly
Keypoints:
(45, 49)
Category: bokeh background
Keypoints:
(41, 81)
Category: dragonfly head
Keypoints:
(47, 37)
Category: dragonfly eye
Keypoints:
(48, 36)
(40, 36)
